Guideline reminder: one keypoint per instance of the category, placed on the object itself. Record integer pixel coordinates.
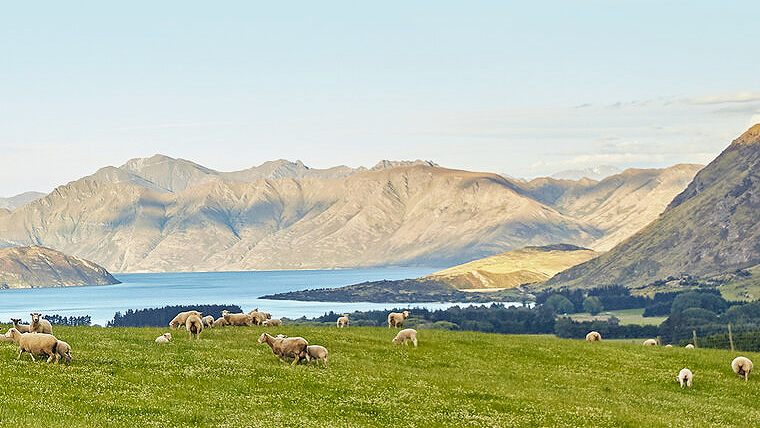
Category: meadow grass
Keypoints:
(626, 316)
(121, 378)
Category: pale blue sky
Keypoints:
(524, 88)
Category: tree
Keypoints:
(560, 304)
(592, 305)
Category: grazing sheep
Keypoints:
(237, 319)
(650, 342)
(274, 322)
(63, 350)
(35, 343)
(290, 347)
(343, 321)
(257, 317)
(684, 376)
(396, 319)
(689, 346)
(6, 338)
(742, 366)
(194, 326)
(22, 328)
(405, 335)
(164, 338)
(208, 321)
(219, 322)
(668, 345)
(39, 325)
(317, 353)
(181, 318)
(594, 336)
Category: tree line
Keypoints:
(160, 317)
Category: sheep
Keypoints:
(220, 322)
(237, 319)
(35, 343)
(742, 366)
(396, 319)
(164, 338)
(208, 321)
(6, 338)
(63, 350)
(39, 325)
(594, 336)
(668, 345)
(684, 375)
(194, 326)
(650, 342)
(257, 317)
(274, 322)
(343, 321)
(405, 335)
(291, 347)
(22, 328)
(317, 353)
(689, 346)
(181, 318)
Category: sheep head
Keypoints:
(15, 320)
(35, 317)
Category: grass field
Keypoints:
(120, 378)
(626, 316)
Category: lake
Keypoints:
(151, 290)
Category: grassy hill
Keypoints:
(513, 268)
(121, 378)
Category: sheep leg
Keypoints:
(745, 376)
(20, 351)
(295, 360)
(31, 354)
(50, 358)
(415, 342)
(57, 358)
(325, 360)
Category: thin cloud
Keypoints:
(735, 97)
(170, 125)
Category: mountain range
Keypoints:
(35, 266)
(708, 229)
(164, 214)
(14, 202)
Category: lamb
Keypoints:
(208, 321)
(290, 347)
(742, 366)
(22, 328)
(5, 338)
(396, 319)
(164, 338)
(650, 342)
(343, 321)
(237, 319)
(274, 322)
(668, 345)
(684, 376)
(194, 326)
(181, 318)
(39, 325)
(63, 350)
(317, 353)
(689, 346)
(405, 335)
(35, 343)
(594, 336)
(220, 322)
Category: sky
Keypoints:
(523, 88)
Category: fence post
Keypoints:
(695, 337)
(730, 338)
(659, 341)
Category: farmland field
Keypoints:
(120, 378)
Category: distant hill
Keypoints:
(14, 202)
(595, 173)
(708, 229)
(35, 266)
(513, 268)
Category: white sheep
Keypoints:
(208, 321)
(194, 326)
(650, 342)
(317, 353)
(238, 319)
(343, 321)
(181, 318)
(274, 322)
(63, 350)
(684, 375)
(164, 338)
(742, 366)
(668, 345)
(594, 336)
(39, 325)
(22, 328)
(689, 346)
(405, 335)
(35, 343)
(396, 319)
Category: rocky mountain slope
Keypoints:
(35, 266)
(400, 215)
(513, 268)
(709, 228)
(14, 202)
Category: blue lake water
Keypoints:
(150, 290)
